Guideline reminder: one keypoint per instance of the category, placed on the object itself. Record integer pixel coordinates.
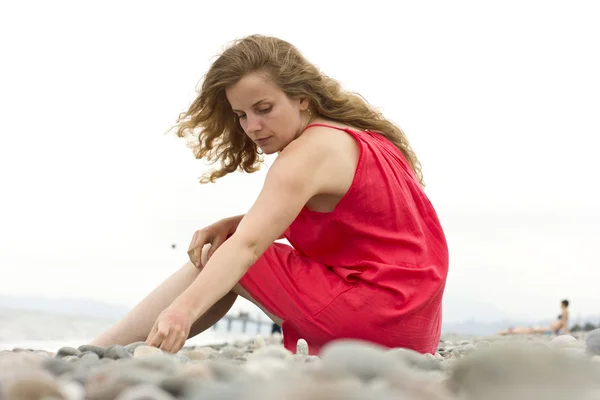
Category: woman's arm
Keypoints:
(299, 173)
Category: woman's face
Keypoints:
(266, 114)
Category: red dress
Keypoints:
(373, 269)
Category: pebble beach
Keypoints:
(490, 368)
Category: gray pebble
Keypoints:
(67, 351)
(273, 351)
(468, 348)
(144, 392)
(592, 344)
(132, 346)
(302, 348)
(90, 357)
(231, 352)
(202, 353)
(117, 352)
(94, 349)
(175, 385)
(57, 366)
(363, 360)
(413, 359)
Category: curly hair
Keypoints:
(216, 133)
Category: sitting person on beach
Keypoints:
(560, 325)
(368, 258)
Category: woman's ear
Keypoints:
(304, 103)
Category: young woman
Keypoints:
(560, 325)
(368, 259)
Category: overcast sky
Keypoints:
(499, 99)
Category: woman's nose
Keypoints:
(253, 124)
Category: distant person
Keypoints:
(369, 258)
(275, 329)
(561, 325)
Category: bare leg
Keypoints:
(242, 292)
(136, 325)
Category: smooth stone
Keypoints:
(266, 368)
(94, 349)
(132, 346)
(240, 344)
(225, 371)
(144, 392)
(273, 351)
(592, 343)
(181, 358)
(34, 384)
(513, 370)
(299, 358)
(158, 362)
(107, 389)
(563, 341)
(360, 359)
(72, 390)
(136, 375)
(146, 351)
(71, 359)
(312, 359)
(201, 371)
(259, 342)
(468, 348)
(202, 353)
(413, 359)
(67, 351)
(57, 366)
(302, 347)
(117, 352)
(175, 385)
(275, 339)
(10, 360)
(90, 357)
(482, 344)
(79, 375)
(231, 352)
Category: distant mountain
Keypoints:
(458, 309)
(64, 306)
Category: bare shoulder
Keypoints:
(326, 154)
(325, 142)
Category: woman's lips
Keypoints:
(262, 141)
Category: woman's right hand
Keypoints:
(213, 235)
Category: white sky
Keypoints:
(500, 101)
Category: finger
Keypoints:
(179, 344)
(161, 334)
(199, 239)
(195, 249)
(169, 341)
(151, 334)
(205, 254)
(215, 245)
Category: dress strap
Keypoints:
(327, 126)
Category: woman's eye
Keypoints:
(265, 110)
(242, 116)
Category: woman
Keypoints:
(369, 258)
(561, 324)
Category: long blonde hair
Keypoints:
(216, 132)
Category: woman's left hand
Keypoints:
(171, 330)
